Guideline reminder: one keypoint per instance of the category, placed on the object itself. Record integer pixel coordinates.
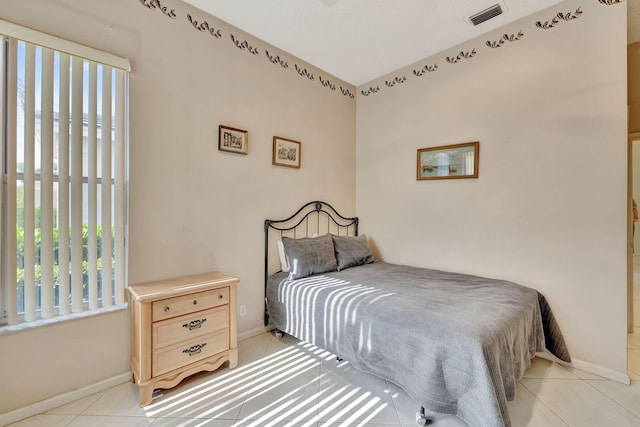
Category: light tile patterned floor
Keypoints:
(284, 382)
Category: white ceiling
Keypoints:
(360, 40)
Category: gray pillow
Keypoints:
(352, 251)
(309, 255)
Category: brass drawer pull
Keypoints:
(194, 349)
(194, 324)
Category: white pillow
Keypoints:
(284, 265)
(283, 259)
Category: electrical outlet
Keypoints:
(243, 310)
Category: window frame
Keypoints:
(119, 188)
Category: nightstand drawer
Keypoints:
(177, 306)
(184, 353)
(186, 327)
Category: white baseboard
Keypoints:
(590, 368)
(252, 333)
(62, 399)
(602, 371)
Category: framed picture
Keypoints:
(286, 152)
(448, 161)
(233, 140)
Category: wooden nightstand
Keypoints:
(180, 327)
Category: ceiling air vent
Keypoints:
(485, 15)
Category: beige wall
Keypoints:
(549, 207)
(633, 66)
(192, 208)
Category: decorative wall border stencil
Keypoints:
(371, 90)
(244, 45)
(514, 37)
(304, 73)
(460, 56)
(155, 4)
(395, 81)
(425, 69)
(556, 20)
(276, 60)
(569, 16)
(546, 25)
(505, 38)
(327, 83)
(204, 26)
(610, 2)
(346, 92)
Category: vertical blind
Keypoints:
(64, 130)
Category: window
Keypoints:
(63, 122)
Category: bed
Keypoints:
(455, 343)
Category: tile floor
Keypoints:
(284, 382)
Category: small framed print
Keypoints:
(448, 161)
(286, 152)
(233, 140)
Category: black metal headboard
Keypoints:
(313, 218)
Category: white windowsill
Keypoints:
(8, 329)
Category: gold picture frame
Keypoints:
(448, 161)
(233, 140)
(286, 152)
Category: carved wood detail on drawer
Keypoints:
(183, 353)
(177, 306)
(170, 331)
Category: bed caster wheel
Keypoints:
(421, 418)
(279, 333)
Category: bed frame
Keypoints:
(319, 218)
(313, 218)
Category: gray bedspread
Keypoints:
(455, 343)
